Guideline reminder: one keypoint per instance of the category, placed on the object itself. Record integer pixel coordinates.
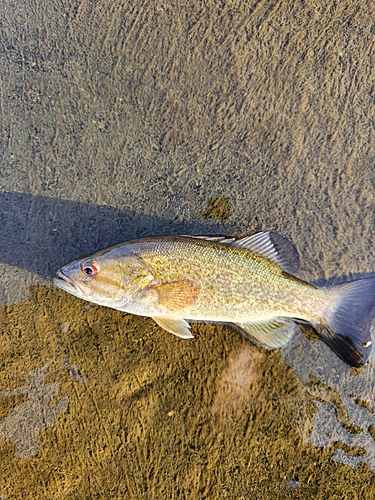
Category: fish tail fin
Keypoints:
(346, 326)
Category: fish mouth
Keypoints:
(63, 281)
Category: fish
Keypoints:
(248, 282)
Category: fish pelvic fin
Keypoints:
(178, 327)
(267, 334)
(347, 325)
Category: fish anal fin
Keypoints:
(268, 334)
(178, 327)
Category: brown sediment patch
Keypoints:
(154, 416)
(217, 208)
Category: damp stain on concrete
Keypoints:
(26, 421)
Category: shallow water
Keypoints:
(125, 119)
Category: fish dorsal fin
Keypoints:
(272, 245)
(214, 239)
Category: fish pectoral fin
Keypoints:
(176, 295)
(268, 334)
(179, 327)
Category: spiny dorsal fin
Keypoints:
(272, 245)
(214, 239)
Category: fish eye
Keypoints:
(89, 268)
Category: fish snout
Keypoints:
(64, 278)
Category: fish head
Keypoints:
(94, 279)
(106, 278)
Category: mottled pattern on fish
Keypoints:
(229, 281)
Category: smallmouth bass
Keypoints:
(246, 282)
